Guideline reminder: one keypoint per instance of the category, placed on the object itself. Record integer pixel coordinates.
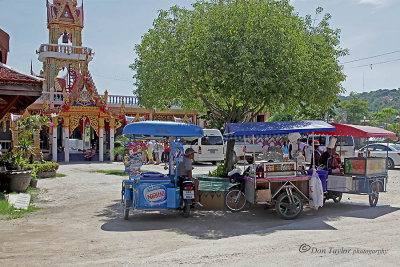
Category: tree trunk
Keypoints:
(229, 163)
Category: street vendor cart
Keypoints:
(152, 190)
(279, 184)
(361, 175)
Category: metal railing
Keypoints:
(113, 100)
(66, 49)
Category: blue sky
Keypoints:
(112, 28)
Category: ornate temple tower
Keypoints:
(65, 24)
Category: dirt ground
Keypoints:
(80, 223)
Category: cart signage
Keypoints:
(177, 151)
(155, 194)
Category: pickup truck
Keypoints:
(245, 151)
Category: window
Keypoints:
(212, 140)
(381, 148)
(320, 139)
(189, 141)
(395, 147)
(345, 141)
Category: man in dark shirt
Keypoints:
(316, 154)
(185, 170)
(325, 157)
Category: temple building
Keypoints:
(81, 118)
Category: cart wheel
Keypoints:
(235, 200)
(374, 195)
(337, 197)
(285, 209)
(125, 203)
(186, 210)
(390, 164)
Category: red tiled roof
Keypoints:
(10, 75)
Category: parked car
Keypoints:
(383, 150)
(209, 148)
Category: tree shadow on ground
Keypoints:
(218, 224)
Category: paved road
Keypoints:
(80, 223)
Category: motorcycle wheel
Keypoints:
(186, 210)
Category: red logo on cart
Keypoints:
(155, 194)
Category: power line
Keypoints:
(355, 60)
(378, 63)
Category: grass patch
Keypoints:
(9, 211)
(59, 175)
(33, 191)
(115, 172)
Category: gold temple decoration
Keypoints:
(74, 122)
(66, 122)
(118, 124)
(112, 123)
(54, 120)
(94, 123)
(137, 118)
(4, 121)
(186, 119)
(101, 122)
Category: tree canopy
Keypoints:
(235, 58)
(355, 109)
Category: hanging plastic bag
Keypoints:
(316, 190)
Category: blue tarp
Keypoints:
(275, 128)
(151, 129)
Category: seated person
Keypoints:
(185, 171)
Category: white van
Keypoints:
(209, 148)
(345, 146)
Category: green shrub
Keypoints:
(219, 172)
(47, 166)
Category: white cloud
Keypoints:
(377, 3)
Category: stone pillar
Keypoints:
(83, 134)
(112, 130)
(51, 98)
(101, 139)
(54, 140)
(66, 139)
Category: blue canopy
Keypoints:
(234, 130)
(152, 129)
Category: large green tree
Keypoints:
(235, 58)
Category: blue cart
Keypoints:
(153, 190)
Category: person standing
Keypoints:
(166, 151)
(285, 150)
(150, 149)
(144, 153)
(157, 151)
(316, 155)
